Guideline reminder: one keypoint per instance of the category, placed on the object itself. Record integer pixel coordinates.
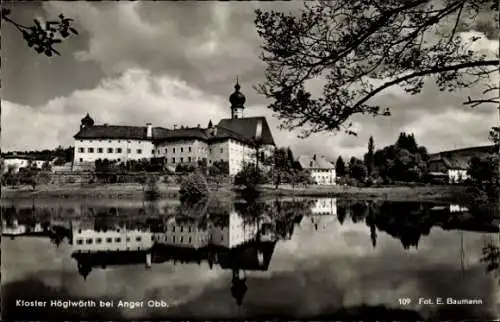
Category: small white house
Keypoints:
(16, 162)
(322, 171)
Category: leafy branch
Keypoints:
(356, 45)
(43, 38)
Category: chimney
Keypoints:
(149, 131)
(314, 157)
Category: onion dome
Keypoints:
(87, 121)
(237, 99)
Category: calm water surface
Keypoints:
(318, 258)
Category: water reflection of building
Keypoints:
(104, 247)
(227, 241)
(13, 228)
(323, 213)
(223, 230)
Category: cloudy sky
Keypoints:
(176, 63)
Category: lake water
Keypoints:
(288, 258)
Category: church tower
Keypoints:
(237, 100)
(87, 121)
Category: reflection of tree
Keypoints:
(491, 256)
(403, 220)
(359, 211)
(341, 213)
(370, 221)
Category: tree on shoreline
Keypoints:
(369, 162)
(340, 167)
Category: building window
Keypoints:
(138, 238)
(118, 150)
(98, 240)
(88, 241)
(189, 229)
(109, 141)
(109, 240)
(189, 149)
(81, 150)
(182, 159)
(173, 160)
(139, 151)
(79, 241)
(181, 239)
(81, 159)
(173, 239)
(118, 239)
(152, 238)
(153, 151)
(173, 150)
(129, 151)
(166, 150)
(189, 159)
(182, 149)
(210, 150)
(99, 150)
(189, 239)
(221, 150)
(128, 141)
(128, 239)
(110, 150)
(91, 150)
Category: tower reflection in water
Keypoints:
(227, 240)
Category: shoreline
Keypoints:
(131, 191)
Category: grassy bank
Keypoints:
(134, 191)
(390, 193)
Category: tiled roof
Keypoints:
(242, 129)
(247, 128)
(112, 132)
(476, 150)
(451, 163)
(162, 134)
(308, 162)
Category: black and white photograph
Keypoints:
(250, 160)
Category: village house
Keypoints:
(235, 140)
(455, 169)
(455, 163)
(322, 171)
(15, 162)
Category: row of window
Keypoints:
(189, 150)
(109, 150)
(181, 239)
(108, 240)
(138, 151)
